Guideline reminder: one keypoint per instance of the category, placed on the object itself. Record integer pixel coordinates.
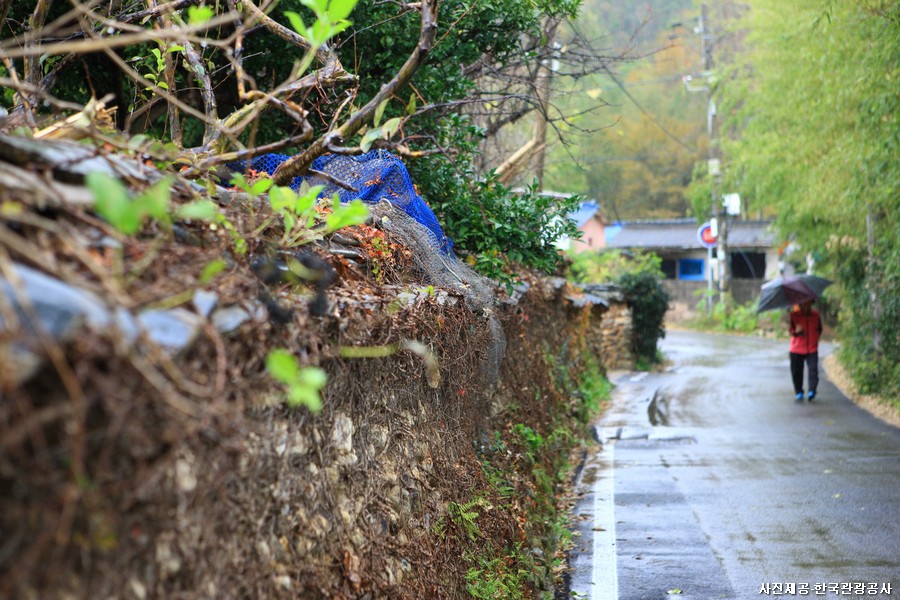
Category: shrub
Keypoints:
(610, 265)
(649, 302)
(501, 230)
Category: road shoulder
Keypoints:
(879, 408)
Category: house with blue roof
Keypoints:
(590, 224)
(752, 255)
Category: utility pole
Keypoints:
(714, 161)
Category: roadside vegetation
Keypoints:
(639, 275)
(728, 316)
(198, 87)
(186, 90)
(530, 475)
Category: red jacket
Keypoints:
(810, 323)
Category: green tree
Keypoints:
(813, 103)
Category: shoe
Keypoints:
(812, 394)
(799, 396)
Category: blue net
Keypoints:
(377, 175)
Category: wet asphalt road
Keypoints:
(713, 483)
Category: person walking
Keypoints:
(805, 329)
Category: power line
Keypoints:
(659, 126)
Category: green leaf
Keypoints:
(210, 271)
(303, 385)
(313, 377)
(379, 112)
(261, 187)
(199, 210)
(319, 33)
(411, 105)
(282, 199)
(239, 181)
(289, 222)
(346, 215)
(338, 27)
(282, 365)
(369, 138)
(305, 396)
(154, 201)
(341, 9)
(197, 15)
(319, 7)
(111, 202)
(307, 201)
(391, 126)
(297, 23)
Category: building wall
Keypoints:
(593, 238)
(686, 295)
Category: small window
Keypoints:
(691, 269)
(748, 265)
(669, 268)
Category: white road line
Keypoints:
(604, 576)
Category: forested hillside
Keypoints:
(635, 131)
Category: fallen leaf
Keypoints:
(351, 569)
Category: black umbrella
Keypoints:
(785, 292)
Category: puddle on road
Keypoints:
(658, 411)
(715, 360)
(678, 409)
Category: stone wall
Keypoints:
(147, 449)
(265, 501)
(615, 337)
(609, 330)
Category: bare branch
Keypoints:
(163, 9)
(211, 130)
(32, 71)
(299, 164)
(19, 86)
(511, 165)
(138, 78)
(97, 44)
(164, 21)
(330, 75)
(219, 159)
(324, 54)
(4, 9)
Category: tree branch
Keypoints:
(211, 131)
(32, 71)
(324, 54)
(298, 165)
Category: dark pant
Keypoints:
(812, 365)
